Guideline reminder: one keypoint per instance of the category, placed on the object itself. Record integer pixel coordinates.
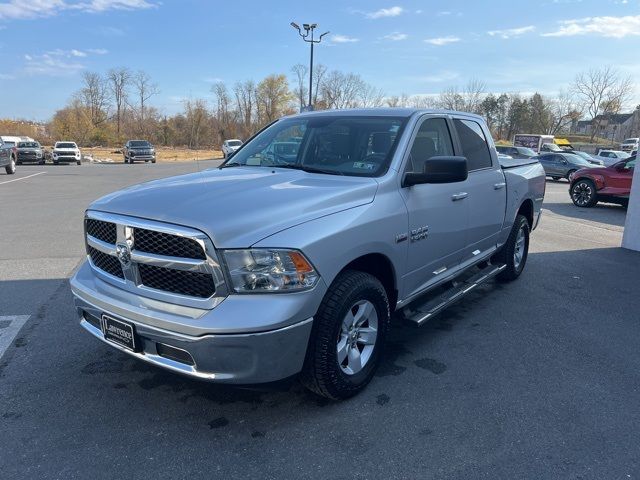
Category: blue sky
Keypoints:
(401, 46)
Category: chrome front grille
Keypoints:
(166, 244)
(157, 260)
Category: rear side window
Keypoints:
(474, 144)
(432, 140)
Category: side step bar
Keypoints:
(421, 313)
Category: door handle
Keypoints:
(459, 196)
(498, 186)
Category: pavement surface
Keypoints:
(534, 379)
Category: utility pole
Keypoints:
(307, 36)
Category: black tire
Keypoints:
(79, 162)
(153, 161)
(41, 162)
(507, 255)
(569, 173)
(555, 179)
(11, 168)
(322, 374)
(126, 160)
(583, 193)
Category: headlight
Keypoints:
(269, 270)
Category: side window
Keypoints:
(474, 144)
(432, 140)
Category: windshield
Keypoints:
(65, 145)
(139, 143)
(28, 145)
(622, 154)
(343, 145)
(552, 147)
(234, 143)
(577, 160)
(527, 151)
(11, 144)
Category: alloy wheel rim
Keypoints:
(518, 251)
(582, 193)
(357, 337)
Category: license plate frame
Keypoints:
(119, 332)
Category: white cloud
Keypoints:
(396, 36)
(343, 39)
(385, 12)
(616, 27)
(25, 9)
(58, 62)
(511, 32)
(438, 77)
(439, 41)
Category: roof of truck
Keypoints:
(381, 112)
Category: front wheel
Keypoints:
(11, 168)
(569, 173)
(583, 193)
(348, 335)
(515, 251)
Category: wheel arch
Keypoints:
(381, 267)
(526, 209)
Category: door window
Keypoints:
(432, 140)
(474, 144)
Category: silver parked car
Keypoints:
(371, 212)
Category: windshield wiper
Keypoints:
(231, 164)
(308, 169)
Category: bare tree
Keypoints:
(225, 117)
(196, 117)
(341, 90)
(245, 93)
(319, 72)
(467, 100)
(95, 96)
(300, 73)
(603, 92)
(119, 79)
(145, 89)
(370, 96)
(564, 111)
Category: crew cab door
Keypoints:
(486, 188)
(438, 215)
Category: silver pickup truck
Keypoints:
(8, 154)
(292, 257)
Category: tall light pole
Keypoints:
(307, 36)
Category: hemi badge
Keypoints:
(401, 237)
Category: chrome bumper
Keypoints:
(268, 343)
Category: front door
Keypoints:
(620, 178)
(438, 214)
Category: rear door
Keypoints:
(486, 188)
(438, 218)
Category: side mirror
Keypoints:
(438, 170)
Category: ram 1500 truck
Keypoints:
(278, 264)
(8, 154)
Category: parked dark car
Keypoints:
(30, 152)
(138, 150)
(516, 152)
(611, 184)
(562, 165)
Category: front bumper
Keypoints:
(269, 342)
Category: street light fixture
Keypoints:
(307, 36)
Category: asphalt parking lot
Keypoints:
(535, 379)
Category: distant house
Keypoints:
(615, 126)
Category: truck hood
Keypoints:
(239, 206)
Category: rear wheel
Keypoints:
(569, 173)
(583, 193)
(11, 168)
(515, 251)
(348, 334)
(555, 179)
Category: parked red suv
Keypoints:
(612, 184)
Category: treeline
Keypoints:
(118, 105)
